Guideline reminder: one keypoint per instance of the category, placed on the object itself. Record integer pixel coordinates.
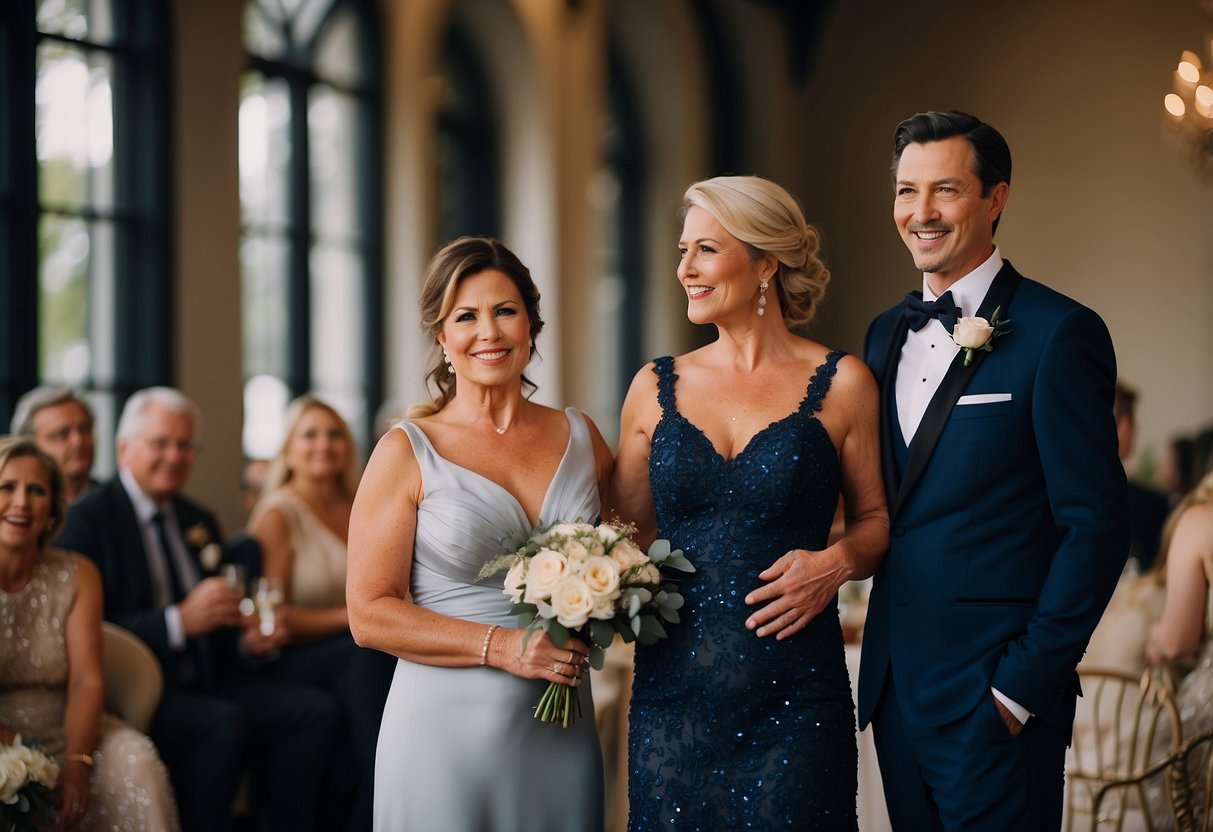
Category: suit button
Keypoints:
(899, 531)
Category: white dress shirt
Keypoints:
(927, 353)
(925, 358)
(145, 510)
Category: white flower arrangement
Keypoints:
(593, 580)
(27, 777)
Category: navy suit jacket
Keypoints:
(102, 525)
(1009, 524)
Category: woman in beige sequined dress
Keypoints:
(1185, 631)
(51, 686)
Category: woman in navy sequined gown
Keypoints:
(738, 452)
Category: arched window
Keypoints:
(311, 199)
(469, 190)
(85, 283)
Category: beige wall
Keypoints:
(1103, 206)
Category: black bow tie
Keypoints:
(919, 312)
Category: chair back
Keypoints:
(1192, 784)
(1124, 725)
(134, 681)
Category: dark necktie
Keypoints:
(919, 312)
(176, 590)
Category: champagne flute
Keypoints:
(267, 597)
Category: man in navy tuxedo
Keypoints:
(158, 553)
(1007, 502)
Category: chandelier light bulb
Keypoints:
(1174, 104)
(1188, 70)
(1204, 100)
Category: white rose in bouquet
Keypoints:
(570, 529)
(514, 581)
(626, 554)
(575, 555)
(572, 602)
(547, 568)
(601, 575)
(607, 533)
(39, 767)
(13, 774)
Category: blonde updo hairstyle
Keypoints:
(459, 259)
(768, 220)
(1200, 494)
(279, 473)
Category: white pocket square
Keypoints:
(984, 398)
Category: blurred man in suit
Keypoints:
(1148, 508)
(61, 423)
(159, 553)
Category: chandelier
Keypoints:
(1190, 108)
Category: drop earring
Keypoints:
(446, 356)
(762, 297)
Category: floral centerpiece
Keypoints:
(591, 580)
(27, 777)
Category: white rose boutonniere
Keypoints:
(210, 553)
(971, 334)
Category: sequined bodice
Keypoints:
(719, 715)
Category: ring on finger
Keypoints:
(572, 657)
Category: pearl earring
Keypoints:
(446, 356)
(762, 297)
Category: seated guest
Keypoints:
(302, 522)
(1147, 507)
(1177, 474)
(158, 553)
(61, 423)
(110, 776)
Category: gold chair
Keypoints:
(1120, 721)
(134, 681)
(1192, 784)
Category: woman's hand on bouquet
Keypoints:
(799, 586)
(533, 655)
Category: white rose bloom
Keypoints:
(972, 333)
(571, 529)
(545, 571)
(604, 609)
(13, 776)
(41, 768)
(627, 555)
(572, 602)
(607, 533)
(514, 579)
(601, 575)
(650, 574)
(576, 554)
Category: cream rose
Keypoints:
(575, 554)
(972, 333)
(572, 602)
(650, 574)
(627, 555)
(546, 569)
(607, 533)
(601, 575)
(40, 768)
(13, 775)
(570, 529)
(514, 579)
(604, 609)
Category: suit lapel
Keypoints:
(935, 419)
(888, 403)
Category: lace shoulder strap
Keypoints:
(819, 384)
(664, 368)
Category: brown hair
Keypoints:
(455, 261)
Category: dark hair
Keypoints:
(991, 155)
(456, 260)
(1124, 403)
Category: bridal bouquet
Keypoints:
(591, 580)
(27, 776)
